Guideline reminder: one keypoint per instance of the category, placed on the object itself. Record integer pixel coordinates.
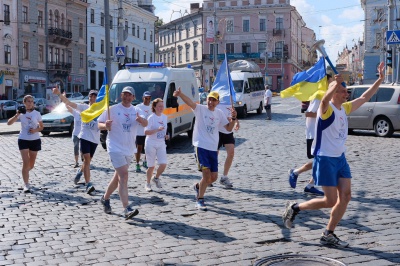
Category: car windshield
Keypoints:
(140, 88)
(61, 108)
(238, 85)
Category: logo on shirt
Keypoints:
(127, 118)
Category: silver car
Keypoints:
(381, 113)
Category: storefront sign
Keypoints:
(274, 71)
(79, 79)
(7, 72)
(34, 79)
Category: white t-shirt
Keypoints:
(89, 131)
(122, 136)
(154, 122)
(226, 109)
(310, 121)
(28, 121)
(205, 133)
(145, 112)
(267, 94)
(77, 122)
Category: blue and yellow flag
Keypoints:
(100, 105)
(223, 85)
(309, 84)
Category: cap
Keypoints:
(214, 95)
(129, 89)
(93, 92)
(146, 94)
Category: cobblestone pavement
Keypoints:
(58, 224)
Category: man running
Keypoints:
(122, 126)
(330, 167)
(141, 137)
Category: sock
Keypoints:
(328, 232)
(296, 171)
(296, 208)
(200, 199)
(310, 185)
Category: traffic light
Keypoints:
(389, 61)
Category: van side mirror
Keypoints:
(247, 90)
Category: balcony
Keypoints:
(60, 36)
(278, 32)
(54, 66)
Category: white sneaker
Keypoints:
(157, 181)
(27, 188)
(226, 182)
(148, 187)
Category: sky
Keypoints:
(338, 22)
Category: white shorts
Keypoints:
(118, 159)
(310, 127)
(155, 149)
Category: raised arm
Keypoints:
(63, 98)
(186, 99)
(366, 96)
(323, 107)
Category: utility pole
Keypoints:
(215, 52)
(107, 37)
(121, 31)
(392, 46)
(266, 60)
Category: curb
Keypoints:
(9, 132)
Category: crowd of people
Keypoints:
(134, 129)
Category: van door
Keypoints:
(362, 117)
(246, 95)
(172, 109)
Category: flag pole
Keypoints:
(227, 77)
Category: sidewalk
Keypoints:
(12, 129)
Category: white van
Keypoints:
(146, 77)
(249, 89)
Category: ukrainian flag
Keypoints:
(223, 84)
(100, 105)
(309, 84)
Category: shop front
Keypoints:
(32, 82)
(8, 83)
(76, 83)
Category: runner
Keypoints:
(75, 132)
(141, 137)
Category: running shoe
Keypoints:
(145, 164)
(78, 176)
(27, 188)
(226, 182)
(106, 204)
(147, 187)
(289, 214)
(292, 178)
(201, 205)
(332, 240)
(76, 165)
(138, 170)
(156, 181)
(89, 188)
(196, 189)
(314, 190)
(129, 213)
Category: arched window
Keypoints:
(62, 21)
(56, 19)
(50, 18)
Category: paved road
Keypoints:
(58, 224)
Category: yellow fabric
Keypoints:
(95, 109)
(306, 91)
(346, 106)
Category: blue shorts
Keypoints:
(88, 147)
(206, 159)
(328, 170)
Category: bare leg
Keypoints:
(138, 153)
(149, 173)
(160, 170)
(328, 201)
(230, 153)
(123, 184)
(344, 190)
(208, 178)
(112, 186)
(86, 167)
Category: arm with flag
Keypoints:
(97, 108)
(309, 84)
(224, 86)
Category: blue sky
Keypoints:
(338, 22)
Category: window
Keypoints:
(380, 15)
(173, 36)
(212, 48)
(138, 31)
(81, 60)
(180, 54)
(144, 57)
(278, 49)
(187, 53)
(111, 22)
(50, 18)
(41, 53)
(160, 58)
(229, 25)
(195, 51)
(384, 94)
(56, 19)
(180, 33)
(57, 55)
(378, 39)
(69, 55)
(24, 14)
(25, 51)
(262, 24)
(80, 30)
(7, 54)
(69, 25)
(246, 47)
(195, 28)
(262, 47)
(51, 54)
(173, 58)
(92, 44)
(230, 48)
(246, 25)
(40, 19)
(279, 23)
(62, 21)
(133, 29)
(112, 49)
(151, 57)
(151, 36)
(92, 15)
(169, 59)
(187, 30)
(138, 55)
(144, 35)
(102, 47)
(102, 19)
(6, 9)
(126, 27)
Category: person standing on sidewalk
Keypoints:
(75, 132)
(89, 137)
(330, 167)
(122, 126)
(205, 139)
(267, 102)
(311, 118)
(227, 140)
(29, 142)
(155, 147)
(141, 137)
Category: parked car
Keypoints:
(9, 107)
(381, 113)
(74, 96)
(40, 105)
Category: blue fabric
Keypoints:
(327, 170)
(207, 159)
(223, 84)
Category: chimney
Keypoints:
(194, 7)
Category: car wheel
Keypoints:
(71, 128)
(244, 111)
(383, 127)
(45, 133)
(260, 108)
